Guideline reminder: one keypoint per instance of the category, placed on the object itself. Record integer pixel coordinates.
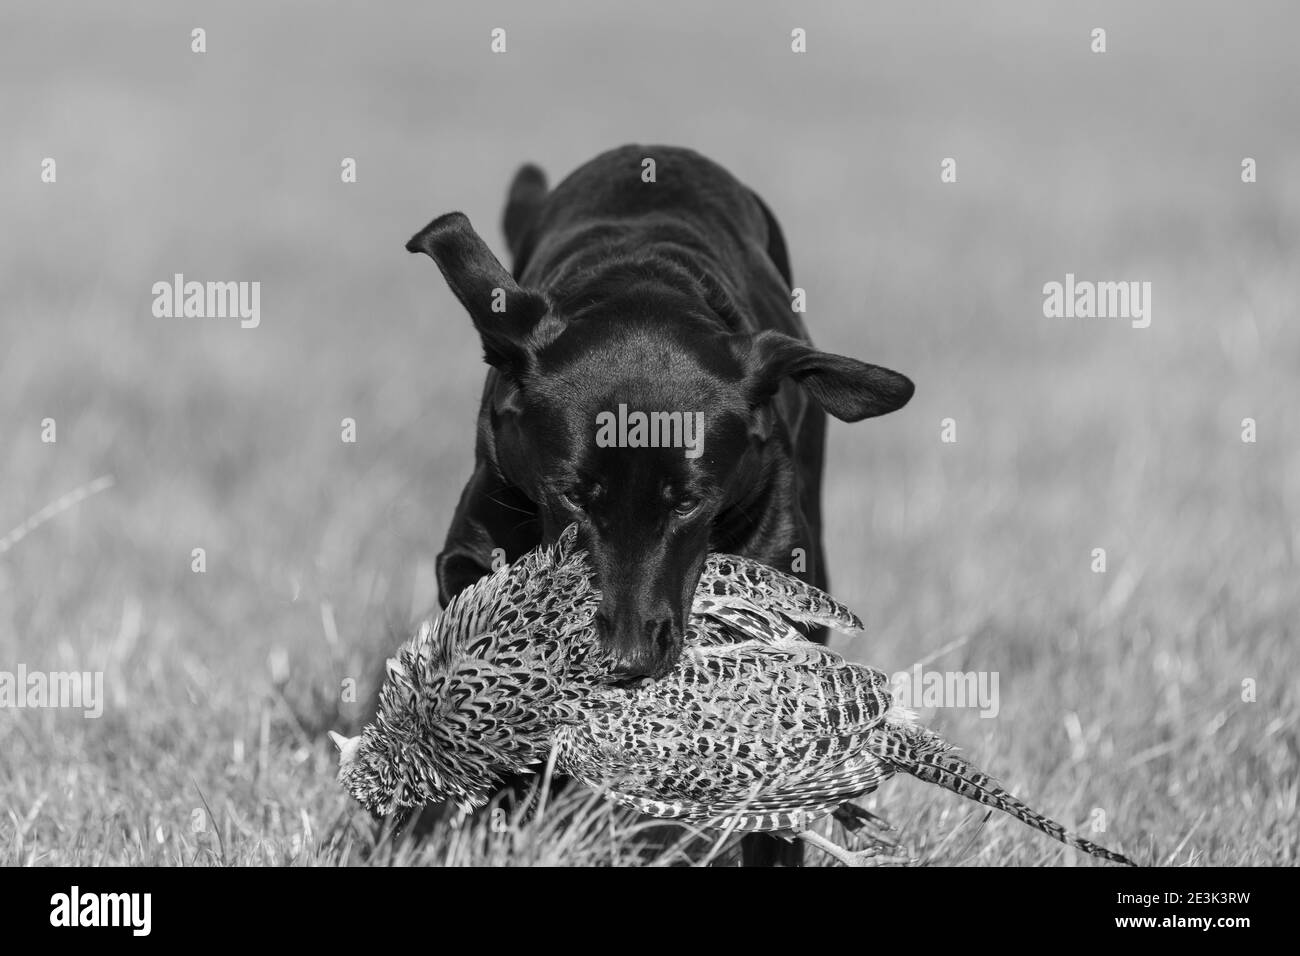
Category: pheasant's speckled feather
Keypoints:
(756, 728)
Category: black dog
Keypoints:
(637, 293)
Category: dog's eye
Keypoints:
(569, 502)
(687, 507)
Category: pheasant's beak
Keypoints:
(340, 741)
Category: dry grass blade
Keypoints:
(54, 509)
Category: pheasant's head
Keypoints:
(376, 776)
(439, 734)
(475, 695)
(393, 775)
(361, 774)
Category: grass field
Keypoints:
(1120, 692)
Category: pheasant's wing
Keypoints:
(733, 620)
(703, 631)
(777, 804)
(781, 803)
(750, 732)
(728, 576)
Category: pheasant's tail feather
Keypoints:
(927, 756)
(728, 576)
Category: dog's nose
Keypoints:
(641, 647)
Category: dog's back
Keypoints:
(692, 211)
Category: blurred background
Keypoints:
(1120, 691)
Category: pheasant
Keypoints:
(755, 729)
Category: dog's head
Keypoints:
(624, 406)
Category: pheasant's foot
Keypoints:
(876, 854)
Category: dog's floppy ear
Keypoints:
(504, 314)
(846, 388)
